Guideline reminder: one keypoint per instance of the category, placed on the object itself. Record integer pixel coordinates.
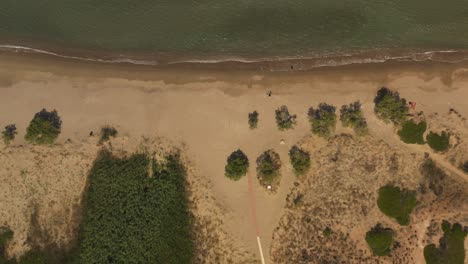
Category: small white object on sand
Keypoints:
(269, 187)
(282, 142)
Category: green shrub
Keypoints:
(44, 128)
(268, 166)
(322, 120)
(351, 116)
(451, 249)
(438, 142)
(5, 235)
(284, 120)
(300, 160)
(9, 133)
(380, 240)
(434, 175)
(253, 120)
(131, 216)
(396, 203)
(464, 166)
(390, 107)
(327, 232)
(412, 133)
(237, 165)
(106, 133)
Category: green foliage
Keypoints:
(380, 240)
(464, 166)
(268, 166)
(253, 119)
(434, 175)
(327, 232)
(390, 107)
(106, 133)
(44, 128)
(438, 142)
(130, 216)
(300, 160)
(323, 120)
(351, 116)
(396, 203)
(412, 133)
(284, 120)
(237, 165)
(9, 133)
(451, 249)
(5, 235)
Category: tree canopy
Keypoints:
(390, 107)
(44, 128)
(237, 165)
(380, 240)
(396, 203)
(300, 160)
(323, 120)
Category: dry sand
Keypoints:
(205, 110)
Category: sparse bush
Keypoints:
(438, 142)
(106, 133)
(464, 166)
(44, 128)
(390, 107)
(412, 133)
(300, 160)
(327, 232)
(451, 249)
(9, 133)
(434, 175)
(237, 165)
(5, 235)
(268, 166)
(380, 240)
(351, 116)
(323, 120)
(284, 120)
(396, 203)
(253, 119)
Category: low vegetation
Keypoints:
(300, 160)
(253, 120)
(434, 176)
(451, 249)
(351, 116)
(396, 203)
(131, 215)
(44, 128)
(412, 132)
(9, 133)
(327, 232)
(237, 165)
(323, 120)
(268, 167)
(106, 133)
(439, 143)
(284, 120)
(464, 167)
(390, 107)
(380, 240)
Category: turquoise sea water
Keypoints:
(237, 27)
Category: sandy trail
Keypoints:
(207, 111)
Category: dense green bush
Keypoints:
(253, 120)
(451, 249)
(390, 107)
(106, 133)
(412, 133)
(322, 120)
(268, 166)
(44, 128)
(237, 165)
(380, 240)
(5, 235)
(438, 142)
(300, 160)
(9, 133)
(284, 120)
(130, 216)
(464, 166)
(434, 176)
(351, 116)
(396, 203)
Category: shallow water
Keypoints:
(238, 27)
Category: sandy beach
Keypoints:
(205, 108)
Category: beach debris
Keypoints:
(269, 93)
(412, 105)
(282, 142)
(269, 187)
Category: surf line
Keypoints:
(254, 217)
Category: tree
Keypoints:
(380, 240)
(390, 107)
(44, 128)
(396, 203)
(351, 116)
(237, 165)
(439, 143)
(284, 120)
(9, 133)
(451, 249)
(253, 119)
(106, 133)
(268, 166)
(300, 160)
(323, 120)
(412, 132)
